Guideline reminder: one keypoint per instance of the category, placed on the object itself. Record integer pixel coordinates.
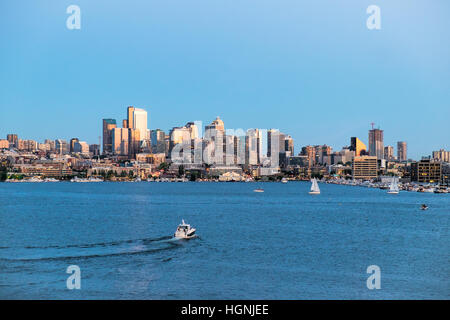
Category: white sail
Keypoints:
(314, 186)
(393, 188)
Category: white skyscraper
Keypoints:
(140, 123)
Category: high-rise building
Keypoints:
(94, 149)
(358, 146)
(120, 138)
(158, 141)
(402, 151)
(215, 142)
(13, 140)
(389, 153)
(426, 171)
(376, 147)
(137, 119)
(289, 145)
(61, 146)
(79, 147)
(73, 141)
(108, 126)
(441, 155)
(253, 147)
(365, 167)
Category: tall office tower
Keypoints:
(180, 142)
(376, 147)
(158, 141)
(253, 147)
(51, 143)
(193, 128)
(137, 119)
(275, 142)
(358, 146)
(134, 142)
(120, 138)
(108, 126)
(402, 151)
(216, 141)
(289, 145)
(13, 140)
(323, 154)
(73, 141)
(94, 149)
(310, 153)
(389, 153)
(80, 147)
(61, 146)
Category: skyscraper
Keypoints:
(358, 146)
(253, 147)
(137, 119)
(389, 153)
(13, 140)
(158, 141)
(402, 151)
(120, 138)
(376, 147)
(108, 126)
(73, 141)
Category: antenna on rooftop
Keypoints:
(372, 124)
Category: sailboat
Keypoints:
(393, 188)
(314, 187)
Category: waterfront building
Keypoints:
(402, 151)
(389, 153)
(108, 126)
(426, 171)
(376, 147)
(441, 155)
(358, 147)
(364, 167)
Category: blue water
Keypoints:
(280, 244)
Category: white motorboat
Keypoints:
(184, 231)
(393, 187)
(284, 180)
(314, 187)
(258, 190)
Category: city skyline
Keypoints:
(144, 119)
(321, 80)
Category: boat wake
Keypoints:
(92, 250)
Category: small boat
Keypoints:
(258, 190)
(423, 207)
(284, 180)
(184, 231)
(393, 188)
(314, 187)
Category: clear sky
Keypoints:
(310, 68)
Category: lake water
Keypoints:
(280, 244)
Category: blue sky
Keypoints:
(310, 68)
